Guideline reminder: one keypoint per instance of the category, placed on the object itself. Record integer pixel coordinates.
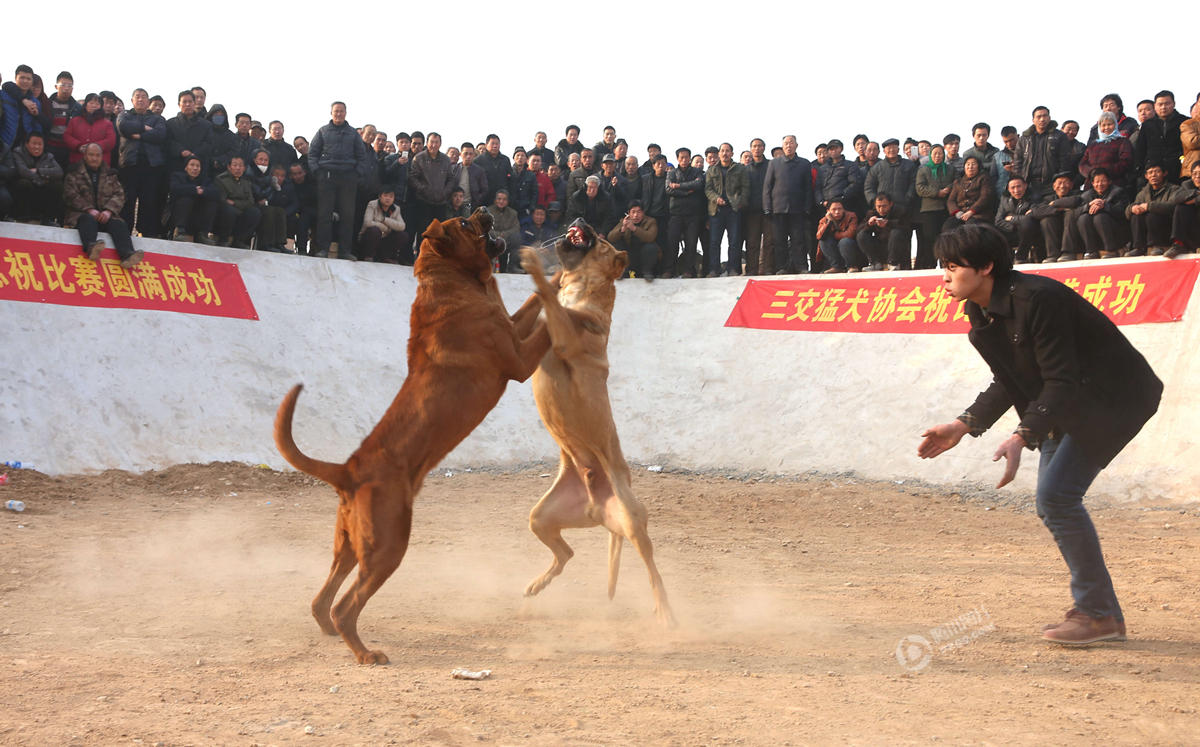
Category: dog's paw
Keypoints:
(372, 657)
(531, 263)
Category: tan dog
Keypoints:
(463, 349)
(571, 389)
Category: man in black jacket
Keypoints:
(496, 166)
(787, 197)
(1158, 142)
(1082, 391)
(188, 134)
(755, 227)
(337, 158)
(685, 190)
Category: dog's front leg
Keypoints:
(527, 315)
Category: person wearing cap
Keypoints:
(1055, 215)
(593, 205)
(610, 181)
(837, 178)
(898, 178)
(554, 213)
(637, 234)
(1041, 153)
(1150, 214)
(188, 135)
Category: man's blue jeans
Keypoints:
(725, 221)
(1064, 476)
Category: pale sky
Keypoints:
(675, 74)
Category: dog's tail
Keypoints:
(334, 474)
(614, 561)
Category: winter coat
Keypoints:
(499, 172)
(688, 199)
(598, 212)
(15, 119)
(757, 171)
(149, 148)
(846, 229)
(1115, 156)
(180, 185)
(281, 152)
(838, 181)
(1161, 200)
(974, 194)
(79, 197)
(193, 134)
(430, 179)
(563, 150)
(1039, 157)
(1189, 139)
(1116, 199)
(338, 149)
(654, 195)
(1011, 207)
(240, 191)
(1159, 144)
(642, 233)
(898, 179)
(928, 186)
(787, 186)
(23, 166)
(386, 221)
(80, 132)
(734, 182)
(476, 180)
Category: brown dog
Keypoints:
(463, 348)
(571, 388)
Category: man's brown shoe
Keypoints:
(94, 250)
(133, 259)
(1081, 629)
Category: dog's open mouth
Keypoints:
(574, 246)
(494, 245)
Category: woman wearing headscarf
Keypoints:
(1110, 151)
(935, 179)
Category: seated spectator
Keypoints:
(275, 198)
(637, 234)
(238, 216)
(6, 172)
(935, 180)
(1015, 220)
(36, 182)
(836, 232)
(1185, 219)
(20, 110)
(62, 107)
(1055, 214)
(539, 231)
(458, 206)
(300, 224)
(90, 127)
(593, 205)
(971, 200)
(983, 150)
(1101, 217)
(383, 238)
(93, 198)
(884, 237)
(1126, 126)
(1110, 151)
(1150, 214)
(559, 183)
(1189, 138)
(143, 160)
(568, 145)
(507, 225)
(194, 203)
(554, 215)
(898, 178)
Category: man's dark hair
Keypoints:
(32, 135)
(156, 97)
(460, 190)
(1039, 108)
(923, 141)
(637, 204)
(656, 159)
(466, 145)
(859, 136)
(275, 121)
(187, 93)
(712, 149)
(343, 103)
(23, 69)
(239, 115)
(1155, 166)
(65, 74)
(1099, 170)
(502, 192)
(377, 132)
(1008, 130)
(191, 158)
(237, 158)
(1145, 101)
(388, 189)
(586, 150)
(1115, 98)
(403, 136)
(299, 137)
(1069, 121)
(416, 134)
(981, 126)
(200, 89)
(820, 147)
(951, 138)
(621, 141)
(571, 127)
(431, 134)
(682, 150)
(777, 149)
(609, 127)
(1164, 94)
(488, 139)
(976, 246)
(520, 149)
(883, 196)
(1016, 178)
(654, 145)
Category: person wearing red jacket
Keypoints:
(90, 127)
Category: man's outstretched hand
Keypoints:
(941, 438)
(1010, 450)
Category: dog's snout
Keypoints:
(485, 218)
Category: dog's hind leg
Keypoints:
(625, 516)
(344, 561)
(563, 506)
(383, 522)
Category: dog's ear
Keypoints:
(435, 231)
(620, 262)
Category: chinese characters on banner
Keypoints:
(44, 272)
(1128, 292)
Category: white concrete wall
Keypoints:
(83, 390)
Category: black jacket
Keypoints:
(1062, 364)
(499, 173)
(1039, 157)
(194, 134)
(688, 199)
(1158, 143)
(654, 195)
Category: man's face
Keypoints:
(538, 216)
(872, 153)
(262, 159)
(1110, 105)
(1101, 183)
(835, 152)
(1145, 111)
(64, 87)
(636, 213)
(980, 136)
(860, 147)
(141, 101)
(684, 157)
(368, 134)
(1070, 129)
(952, 150)
(93, 157)
(891, 151)
(301, 145)
(609, 167)
(1154, 175)
(493, 146)
(187, 105)
(587, 158)
(660, 167)
(1196, 174)
(157, 106)
(553, 171)
(1164, 106)
(24, 81)
(237, 168)
(535, 163)
(243, 125)
(924, 147)
(631, 166)
(963, 282)
(789, 146)
(1062, 186)
(520, 159)
(620, 150)
(387, 199)
(403, 145)
(593, 188)
(822, 154)
(192, 168)
(433, 144)
(572, 136)
(1041, 120)
(277, 131)
(1017, 188)
(457, 199)
(501, 200)
(610, 135)
(651, 153)
(200, 97)
(539, 140)
(710, 158)
(883, 205)
(35, 147)
(746, 158)
(380, 141)
(418, 144)
(110, 105)
(296, 174)
(837, 211)
(757, 148)
(338, 114)
(1010, 142)
(468, 155)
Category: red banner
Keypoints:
(44, 272)
(1127, 291)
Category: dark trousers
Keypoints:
(237, 225)
(1151, 229)
(885, 246)
(1185, 226)
(788, 230)
(841, 253)
(1100, 232)
(34, 202)
(1060, 235)
(195, 214)
(685, 228)
(89, 229)
(336, 192)
(143, 185)
(757, 229)
(6, 202)
(422, 214)
(1023, 235)
(643, 256)
(929, 227)
(394, 248)
(663, 241)
(272, 227)
(300, 227)
(728, 222)
(1064, 475)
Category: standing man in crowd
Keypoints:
(685, 190)
(726, 185)
(188, 135)
(787, 197)
(336, 158)
(1159, 143)
(429, 182)
(1040, 154)
(496, 166)
(1082, 393)
(143, 164)
(756, 229)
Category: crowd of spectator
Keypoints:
(358, 193)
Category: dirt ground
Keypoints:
(172, 608)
